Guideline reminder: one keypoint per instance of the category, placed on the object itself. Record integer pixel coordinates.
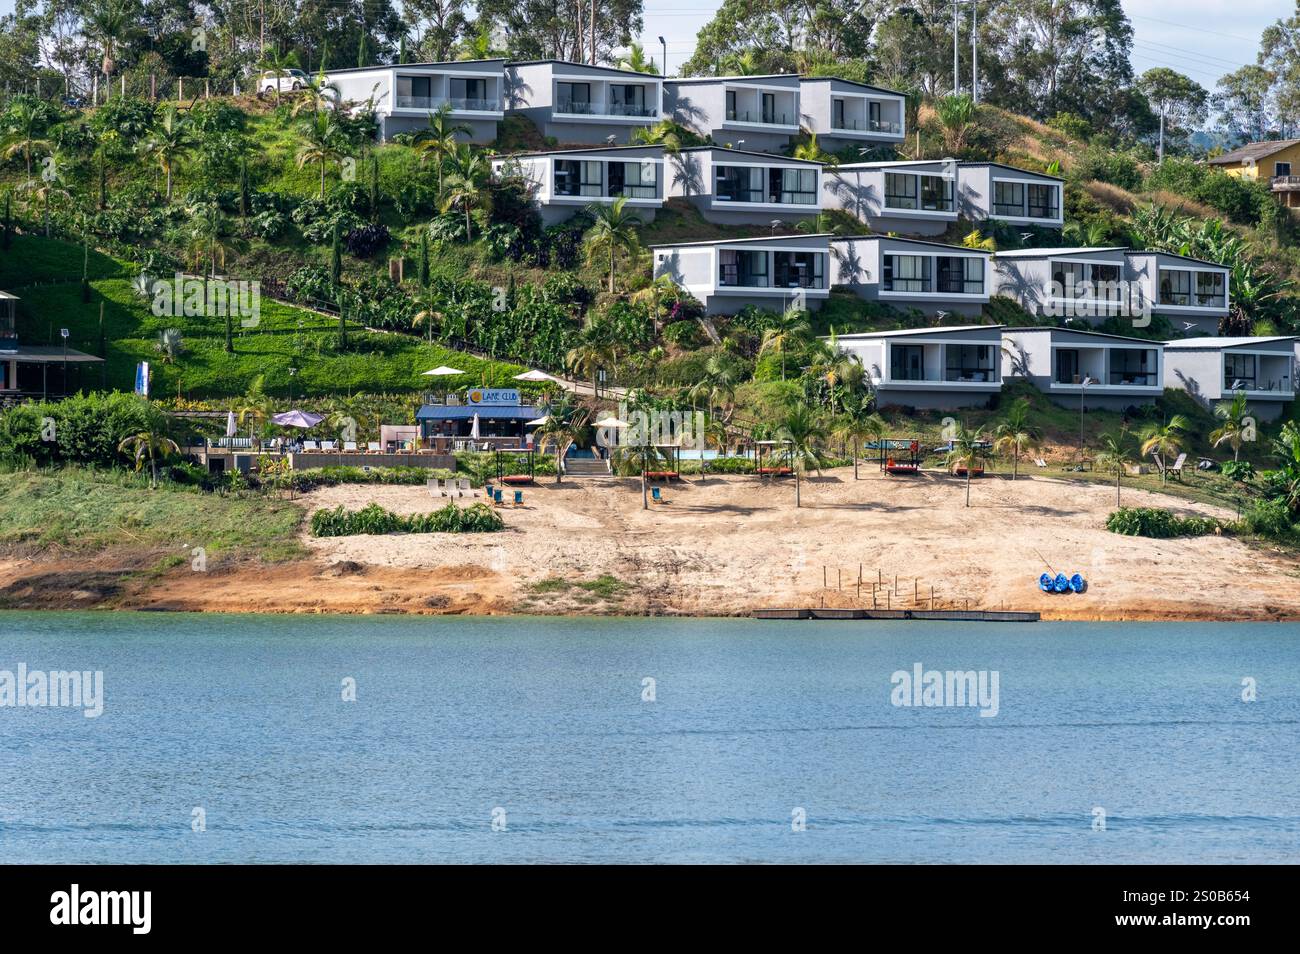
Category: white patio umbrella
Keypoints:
(538, 422)
(231, 427)
(441, 371)
(534, 375)
(473, 427)
(611, 421)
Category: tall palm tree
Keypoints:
(317, 93)
(1237, 424)
(587, 358)
(45, 190)
(784, 334)
(465, 186)
(718, 383)
(858, 423)
(168, 143)
(108, 24)
(25, 132)
(612, 228)
(321, 143)
(1164, 440)
(255, 407)
(802, 434)
(1014, 433)
(636, 61)
(151, 443)
(565, 419)
(438, 139)
(965, 448)
(278, 64)
(1115, 456)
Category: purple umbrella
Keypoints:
(297, 418)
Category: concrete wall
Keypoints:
(861, 193)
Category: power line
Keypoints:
(1184, 26)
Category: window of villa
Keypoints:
(1238, 372)
(873, 115)
(968, 363)
(907, 273)
(574, 177)
(936, 193)
(731, 104)
(793, 186)
(837, 114)
(769, 108)
(960, 275)
(1281, 168)
(900, 191)
(1210, 290)
(472, 90)
(1175, 287)
(738, 183)
(626, 99)
(742, 268)
(1067, 366)
(1132, 366)
(636, 180)
(798, 269)
(1042, 202)
(906, 362)
(1009, 198)
(573, 97)
(413, 90)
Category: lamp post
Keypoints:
(63, 333)
(292, 372)
(664, 43)
(1083, 390)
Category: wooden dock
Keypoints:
(973, 615)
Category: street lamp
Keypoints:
(63, 333)
(292, 372)
(1083, 390)
(664, 44)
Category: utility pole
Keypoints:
(956, 76)
(974, 53)
(593, 32)
(664, 44)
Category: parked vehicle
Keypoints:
(289, 81)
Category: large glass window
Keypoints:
(574, 177)
(1087, 281)
(968, 362)
(1238, 372)
(1210, 291)
(799, 269)
(1042, 202)
(470, 93)
(627, 100)
(962, 275)
(636, 180)
(573, 97)
(414, 92)
(873, 116)
(731, 104)
(742, 268)
(1067, 366)
(936, 193)
(1134, 366)
(837, 114)
(1175, 287)
(906, 362)
(769, 108)
(907, 273)
(793, 186)
(1009, 198)
(738, 183)
(900, 191)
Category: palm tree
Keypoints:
(170, 344)
(637, 62)
(44, 190)
(1115, 456)
(858, 423)
(321, 143)
(439, 138)
(801, 433)
(255, 406)
(464, 187)
(1164, 440)
(587, 358)
(612, 228)
(956, 115)
(1238, 426)
(108, 24)
(151, 443)
(168, 143)
(278, 65)
(1014, 433)
(429, 316)
(783, 334)
(318, 93)
(642, 456)
(813, 152)
(565, 419)
(25, 132)
(718, 383)
(965, 448)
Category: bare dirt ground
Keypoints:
(722, 547)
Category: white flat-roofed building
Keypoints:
(568, 180)
(734, 187)
(911, 198)
(404, 96)
(771, 273)
(1214, 369)
(1110, 372)
(576, 103)
(937, 368)
(909, 273)
(992, 190)
(759, 113)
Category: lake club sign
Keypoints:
(492, 396)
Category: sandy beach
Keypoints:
(726, 546)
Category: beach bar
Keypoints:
(488, 418)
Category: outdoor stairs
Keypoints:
(586, 467)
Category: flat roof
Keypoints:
(801, 77)
(1012, 329)
(585, 66)
(1185, 258)
(1213, 342)
(911, 241)
(942, 329)
(44, 354)
(1041, 252)
(1003, 165)
(751, 152)
(465, 412)
(894, 163)
(758, 238)
(580, 149)
(406, 66)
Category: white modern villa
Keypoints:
(912, 274)
(568, 180)
(769, 273)
(1075, 367)
(939, 368)
(1214, 369)
(404, 96)
(578, 103)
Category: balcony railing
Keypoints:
(579, 108)
(1139, 379)
(433, 102)
(876, 125)
(1238, 383)
(758, 118)
(1285, 183)
(1193, 300)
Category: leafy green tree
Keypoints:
(26, 122)
(787, 333)
(613, 228)
(859, 423)
(1164, 440)
(438, 139)
(1243, 99)
(466, 185)
(278, 65)
(802, 435)
(1180, 102)
(1014, 433)
(965, 448)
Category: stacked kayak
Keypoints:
(1062, 583)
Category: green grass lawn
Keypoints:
(83, 510)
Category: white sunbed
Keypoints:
(310, 446)
(432, 485)
(372, 447)
(350, 446)
(329, 445)
(463, 485)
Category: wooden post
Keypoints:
(153, 87)
(180, 89)
(823, 576)
(916, 591)
(839, 579)
(124, 86)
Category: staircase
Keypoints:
(586, 467)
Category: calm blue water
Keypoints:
(544, 718)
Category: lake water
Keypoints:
(541, 725)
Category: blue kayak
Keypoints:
(1061, 584)
(1045, 582)
(1078, 583)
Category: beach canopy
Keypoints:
(231, 429)
(297, 418)
(534, 375)
(545, 418)
(611, 421)
(441, 371)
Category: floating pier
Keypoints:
(982, 616)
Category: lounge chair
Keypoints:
(372, 447)
(350, 447)
(329, 445)
(310, 446)
(464, 487)
(434, 488)
(1176, 468)
(1039, 462)
(656, 495)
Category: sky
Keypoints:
(1220, 35)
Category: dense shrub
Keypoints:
(1155, 522)
(1268, 518)
(374, 519)
(86, 428)
(1242, 470)
(1108, 165)
(684, 334)
(366, 240)
(1241, 200)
